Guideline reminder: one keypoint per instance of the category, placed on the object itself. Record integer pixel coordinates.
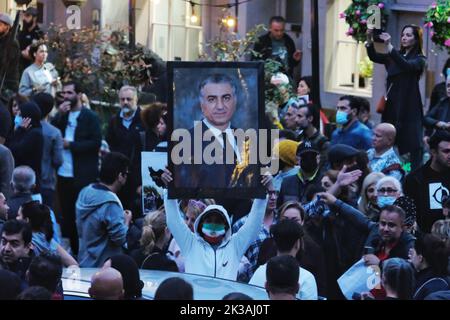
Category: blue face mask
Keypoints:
(341, 117)
(18, 121)
(384, 201)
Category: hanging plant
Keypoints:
(357, 16)
(437, 19)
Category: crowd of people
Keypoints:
(71, 196)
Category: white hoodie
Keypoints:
(200, 256)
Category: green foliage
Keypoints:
(101, 61)
(437, 18)
(357, 15)
(366, 68)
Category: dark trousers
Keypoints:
(48, 197)
(67, 197)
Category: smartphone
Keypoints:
(376, 35)
(368, 250)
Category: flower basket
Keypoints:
(357, 16)
(437, 19)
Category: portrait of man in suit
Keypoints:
(214, 156)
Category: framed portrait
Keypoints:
(216, 114)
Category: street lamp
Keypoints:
(315, 59)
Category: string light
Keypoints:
(227, 5)
(194, 17)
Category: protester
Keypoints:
(350, 130)
(439, 116)
(132, 283)
(154, 240)
(440, 90)
(427, 184)
(430, 257)
(106, 284)
(404, 102)
(9, 58)
(6, 157)
(382, 157)
(80, 129)
(285, 152)
(100, 218)
(28, 34)
(282, 278)
(35, 293)
(46, 270)
(10, 285)
(398, 279)
(368, 200)
(174, 289)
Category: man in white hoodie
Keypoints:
(212, 249)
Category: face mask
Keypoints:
(18, 121)
(213, 233)
(384, 201)
(341, 118)
(308, 165)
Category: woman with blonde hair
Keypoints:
(154, 240)
(367, 203)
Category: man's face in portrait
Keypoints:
(218, 104)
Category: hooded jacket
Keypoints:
(220, 261)
(26, 145)
(102, 231)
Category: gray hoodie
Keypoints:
(102, 231)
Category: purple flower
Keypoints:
(448, 20)
(358, 12)
(428, 25)
(363, 21)
(433, 5)
(342, 15)
(447, 42)
(350, 31)
(381, 5)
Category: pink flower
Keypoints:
(358, 12)
(432, 34)
(433, 6)
(448, 20)
(447, 42)
(428, 25)
(363, 21)
(350, 31)
(381, 5)
(342, 15)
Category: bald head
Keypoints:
(107, 284)
(384, 137)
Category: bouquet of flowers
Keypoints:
(437, 19)
(360, 13)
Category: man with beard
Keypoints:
(29, 33)
(124, 136)
(305, 120)
(80, 128)
(350, 130)
(9, 59)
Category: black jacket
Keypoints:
(9, 65)
(85, 148)
(293, 189)
(427, 282)
(15, 201)
(27, 145)
(264, 47)
(404, 104)
(440, 112)
(426, 187)
(374, 240)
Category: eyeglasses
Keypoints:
(371, 190)
(387, 190)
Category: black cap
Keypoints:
(31, 11)
(340, 152)
(306, 146)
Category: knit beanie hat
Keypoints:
(286, 151)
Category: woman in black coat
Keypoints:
(404, 107)
(26, 143)
(439, 116)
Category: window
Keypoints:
(343, 55)
(174, 34)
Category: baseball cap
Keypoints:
(340, 152)
(6, 19)
(306, 146)
(31, 11)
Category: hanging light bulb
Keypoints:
(194, 17)
(230, 22)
